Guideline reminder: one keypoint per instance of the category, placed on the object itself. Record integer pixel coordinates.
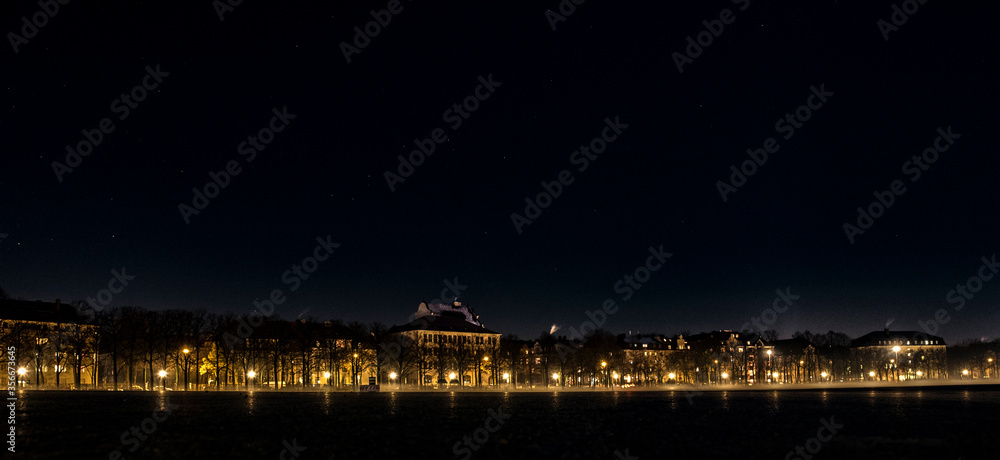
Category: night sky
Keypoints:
(655, 184)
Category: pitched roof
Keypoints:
(444, 323)
(791, 345)
(36, 310)
(887, 337)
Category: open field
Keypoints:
(930, 422)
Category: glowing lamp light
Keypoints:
(965, 372)
(162, 374)
(604, 364)
(896, 348)
(506, 376)
(186, 351)
(822, 374)
(671, 376)
(871, 374)
(22, 371)
(919, 373)
(775, 375)
(326, 375)
(392, 375)
(251, 374)
(451, 376)
(555, 376)
(725, 375)
(768, 352)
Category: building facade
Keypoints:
(900, 355)
(54, 346)
(444, 344)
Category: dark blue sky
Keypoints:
(323, 174)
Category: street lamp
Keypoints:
(392, 376)
(823, 374)
(251, 375)
(506, 378)
(895, 365)
(479, 374)
(326, 376)
(604, 365)
(871, 374)
(186, 351)
(163, 376)
(671, 376)
(768, 359)
(451, 377)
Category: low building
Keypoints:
(651, 359)
(443, 344)
(54, 344)
(900, 355)
(794, 361)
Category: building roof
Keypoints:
(887, 337)
(444, 318)
(711, 340)
(648, 342)
(38, 311)
(437, 309)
